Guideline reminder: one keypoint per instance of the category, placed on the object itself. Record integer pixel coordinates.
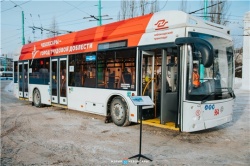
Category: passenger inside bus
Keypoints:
(126, 78)
(111, 81)
(63, 82)
(196, 77)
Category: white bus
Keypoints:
(6, 75)
(97, 70)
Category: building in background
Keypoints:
(6, 64)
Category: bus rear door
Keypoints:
(23, 79)
(59, 80)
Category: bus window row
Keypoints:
(108, 69)
(114, 69)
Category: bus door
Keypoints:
(59, 80)
(148, 87)
(169, 98)
(23, 79)
(159, 81)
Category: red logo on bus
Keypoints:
(161, 24)
(216, 112)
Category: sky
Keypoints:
(71, 16)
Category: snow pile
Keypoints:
(9, 88)
(237, 83)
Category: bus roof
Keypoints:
(160, 27)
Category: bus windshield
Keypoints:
(214, 82)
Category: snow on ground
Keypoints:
(237, 83)
(9, 88)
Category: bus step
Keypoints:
(22, 98)
(156, 122)
(59, 105)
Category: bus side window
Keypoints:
(126, 77)
(111, 80)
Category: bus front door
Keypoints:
(148, 88)
(59, 80)
(23, 79)
(169, 95)
(159, 82)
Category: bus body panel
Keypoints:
(87, 40)
(217, 109)
(208, 30)
(44, 92)
(16, 89)
(199, 117)
(216, 113)
(162, 28)
(95, 100)
(163, 36)
(192, 117)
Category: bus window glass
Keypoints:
(39, 71)
(82, 70)
(63, 78)
(72, 71)
(15, 71)
(216, 80)
(171, 73)
(116, 69)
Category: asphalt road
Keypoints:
(56, 136)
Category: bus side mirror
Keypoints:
(205, 48)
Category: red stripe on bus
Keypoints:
(87, 40)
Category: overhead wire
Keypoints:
(16, 5)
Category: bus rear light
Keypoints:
(133, 94)
(81, 106)
(132, 115)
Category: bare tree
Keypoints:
(219, 12)
(124, 9)
(154, 6)
(143, 7)
(119, 16)
(132, 8)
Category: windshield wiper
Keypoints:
(230, 90)
(203, 100)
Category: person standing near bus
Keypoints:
(196, 77)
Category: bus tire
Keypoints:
(119, 111)
(37, 98)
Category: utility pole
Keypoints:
(23, 38)
(100, 13)
(100, 16)
(205, 10)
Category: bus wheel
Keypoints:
(37, 98)
(119, 111)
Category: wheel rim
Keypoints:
(36, 97)
(118, 111)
